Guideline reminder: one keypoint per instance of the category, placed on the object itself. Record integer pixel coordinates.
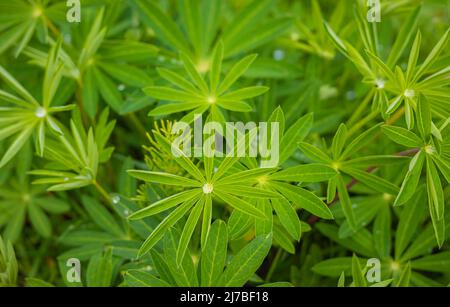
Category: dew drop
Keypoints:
(115, 199)
(278, 55)
(40, 112)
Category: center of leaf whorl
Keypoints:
(395, 266)
(429, 149)
(207, 188)
(37, 12)
(262, 180)
(40, 112)
(211, 99)
(379, 83)
(336, 165)
(409, 93)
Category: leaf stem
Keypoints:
(361, 108)
(102, 191)
(362, 122)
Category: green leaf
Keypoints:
(214, 254)
(162, 227)
(360, 141)
(314, 153)
(177, 80)
(426, 240)
(442, 165)
(339, 140)
(403, 38)
(382, 232)
(16, 86)
(439, 263)
(101, 216)
(304, 199)
(305, 173)
(127, 74)
(433, 56)
(188, 230)
(36, 282)
(167, 93)
(181, 158)
(372, 181)
(193, 74)
(248, 191)
(16, 145)
(216, 66)
(245, 93)
(402, 136)
(423, 117)
(137, 278)
(157, 19)
(434, 187)
(333, 267)
(90, 93)
(245, 19)
(163, 178)
(238, 224)
(277, 116)
(288, 217)
(184, 275)
(405, 276)
(410, 219)
(39, 220)
(245, 263)
(296, 133)
(413, 56)
(411, 179)
(108, 90)
(359, 279)
(239, 204)
(346, 203)
(235, 73)
(99, 271)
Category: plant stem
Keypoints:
(362, 122)
(396, 116)
(361, 108)
(103, 192)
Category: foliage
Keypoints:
(88, 170)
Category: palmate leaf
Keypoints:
(159, 232)
(304, 199)
(137, 278)
(184, 275)
(79, 152)
(411, 179)
(188, 230)
(28, 112)
(214, 254)
(410, 218)
(196, 95)
(244, 264)
(99, 271)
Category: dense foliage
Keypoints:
(88, 173)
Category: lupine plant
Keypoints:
(94, 192)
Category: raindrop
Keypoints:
(115, 199)
(278, 55)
